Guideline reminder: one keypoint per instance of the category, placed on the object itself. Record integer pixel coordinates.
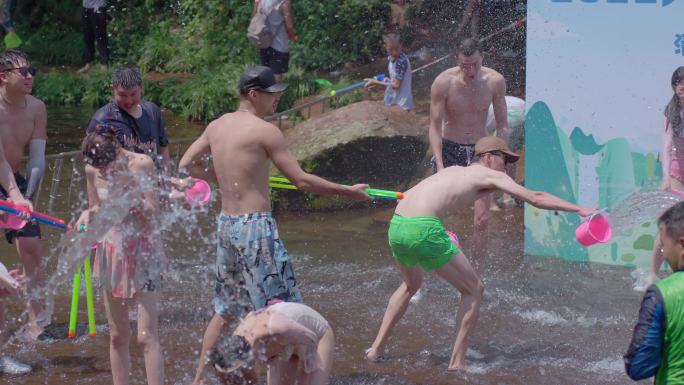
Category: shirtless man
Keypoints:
(252, 268)
(23, 120)
(417, 237)
(460, 99)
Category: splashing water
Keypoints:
(641, 207)
(73, 247)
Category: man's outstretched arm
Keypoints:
(289, 167)
(194, 161)
(539, 199)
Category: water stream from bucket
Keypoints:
(639, 208)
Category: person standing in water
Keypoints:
(657, 344)
(130, 262)
(419, 242)
(23, 121)
(672, 156)
(252, 265)
(460, 98)
(137, 123)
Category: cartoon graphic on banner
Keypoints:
(598, 80)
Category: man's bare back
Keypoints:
(241, 162)
(465, 103)
(18, 125)
(455, 188)
(446, 192)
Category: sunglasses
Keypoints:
(24, 71)
(501, 154)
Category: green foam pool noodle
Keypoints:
(74, 303)
(89, 297)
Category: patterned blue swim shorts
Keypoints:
(252, 265)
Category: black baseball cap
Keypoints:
(260, 78)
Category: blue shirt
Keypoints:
(143, 135)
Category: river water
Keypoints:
(543, 320)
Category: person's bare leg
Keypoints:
(278, 77)
(211, 336)
(31, 253)
(480, 234)
(461, 275)
(413, 279)
(119, 339)
(283, 373)
(326, 349)
(148, 337)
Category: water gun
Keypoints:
(280, 182)
(379, 77)
(13, 209)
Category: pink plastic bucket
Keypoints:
(594, 230)
(200, 192)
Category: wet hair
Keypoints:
(674, 107)
(231, 353)
(127, 77)
(9, 58)
(673, 220)
(469, 47)
(100, 147)
(392, 38)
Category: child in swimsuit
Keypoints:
(130, 260)
(294, 341)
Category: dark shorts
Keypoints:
(277, 61)
(31, 230)
(252, 266)
(455, 154)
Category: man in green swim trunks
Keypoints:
(419, 242)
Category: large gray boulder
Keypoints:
(365, 142)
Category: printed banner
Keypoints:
(598, 80)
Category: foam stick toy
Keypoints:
(89, 299)
(74, 303)
(280, 182)
(38, 217)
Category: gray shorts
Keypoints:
(252, 265)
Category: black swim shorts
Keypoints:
(31, 230)
(455, 154)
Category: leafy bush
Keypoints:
(207, 95)
(335, 32)
(206, 39)
(52, 44)
(300, 85)
(67, 87)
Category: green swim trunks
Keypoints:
(420, 240)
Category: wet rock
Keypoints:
(365, 142)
